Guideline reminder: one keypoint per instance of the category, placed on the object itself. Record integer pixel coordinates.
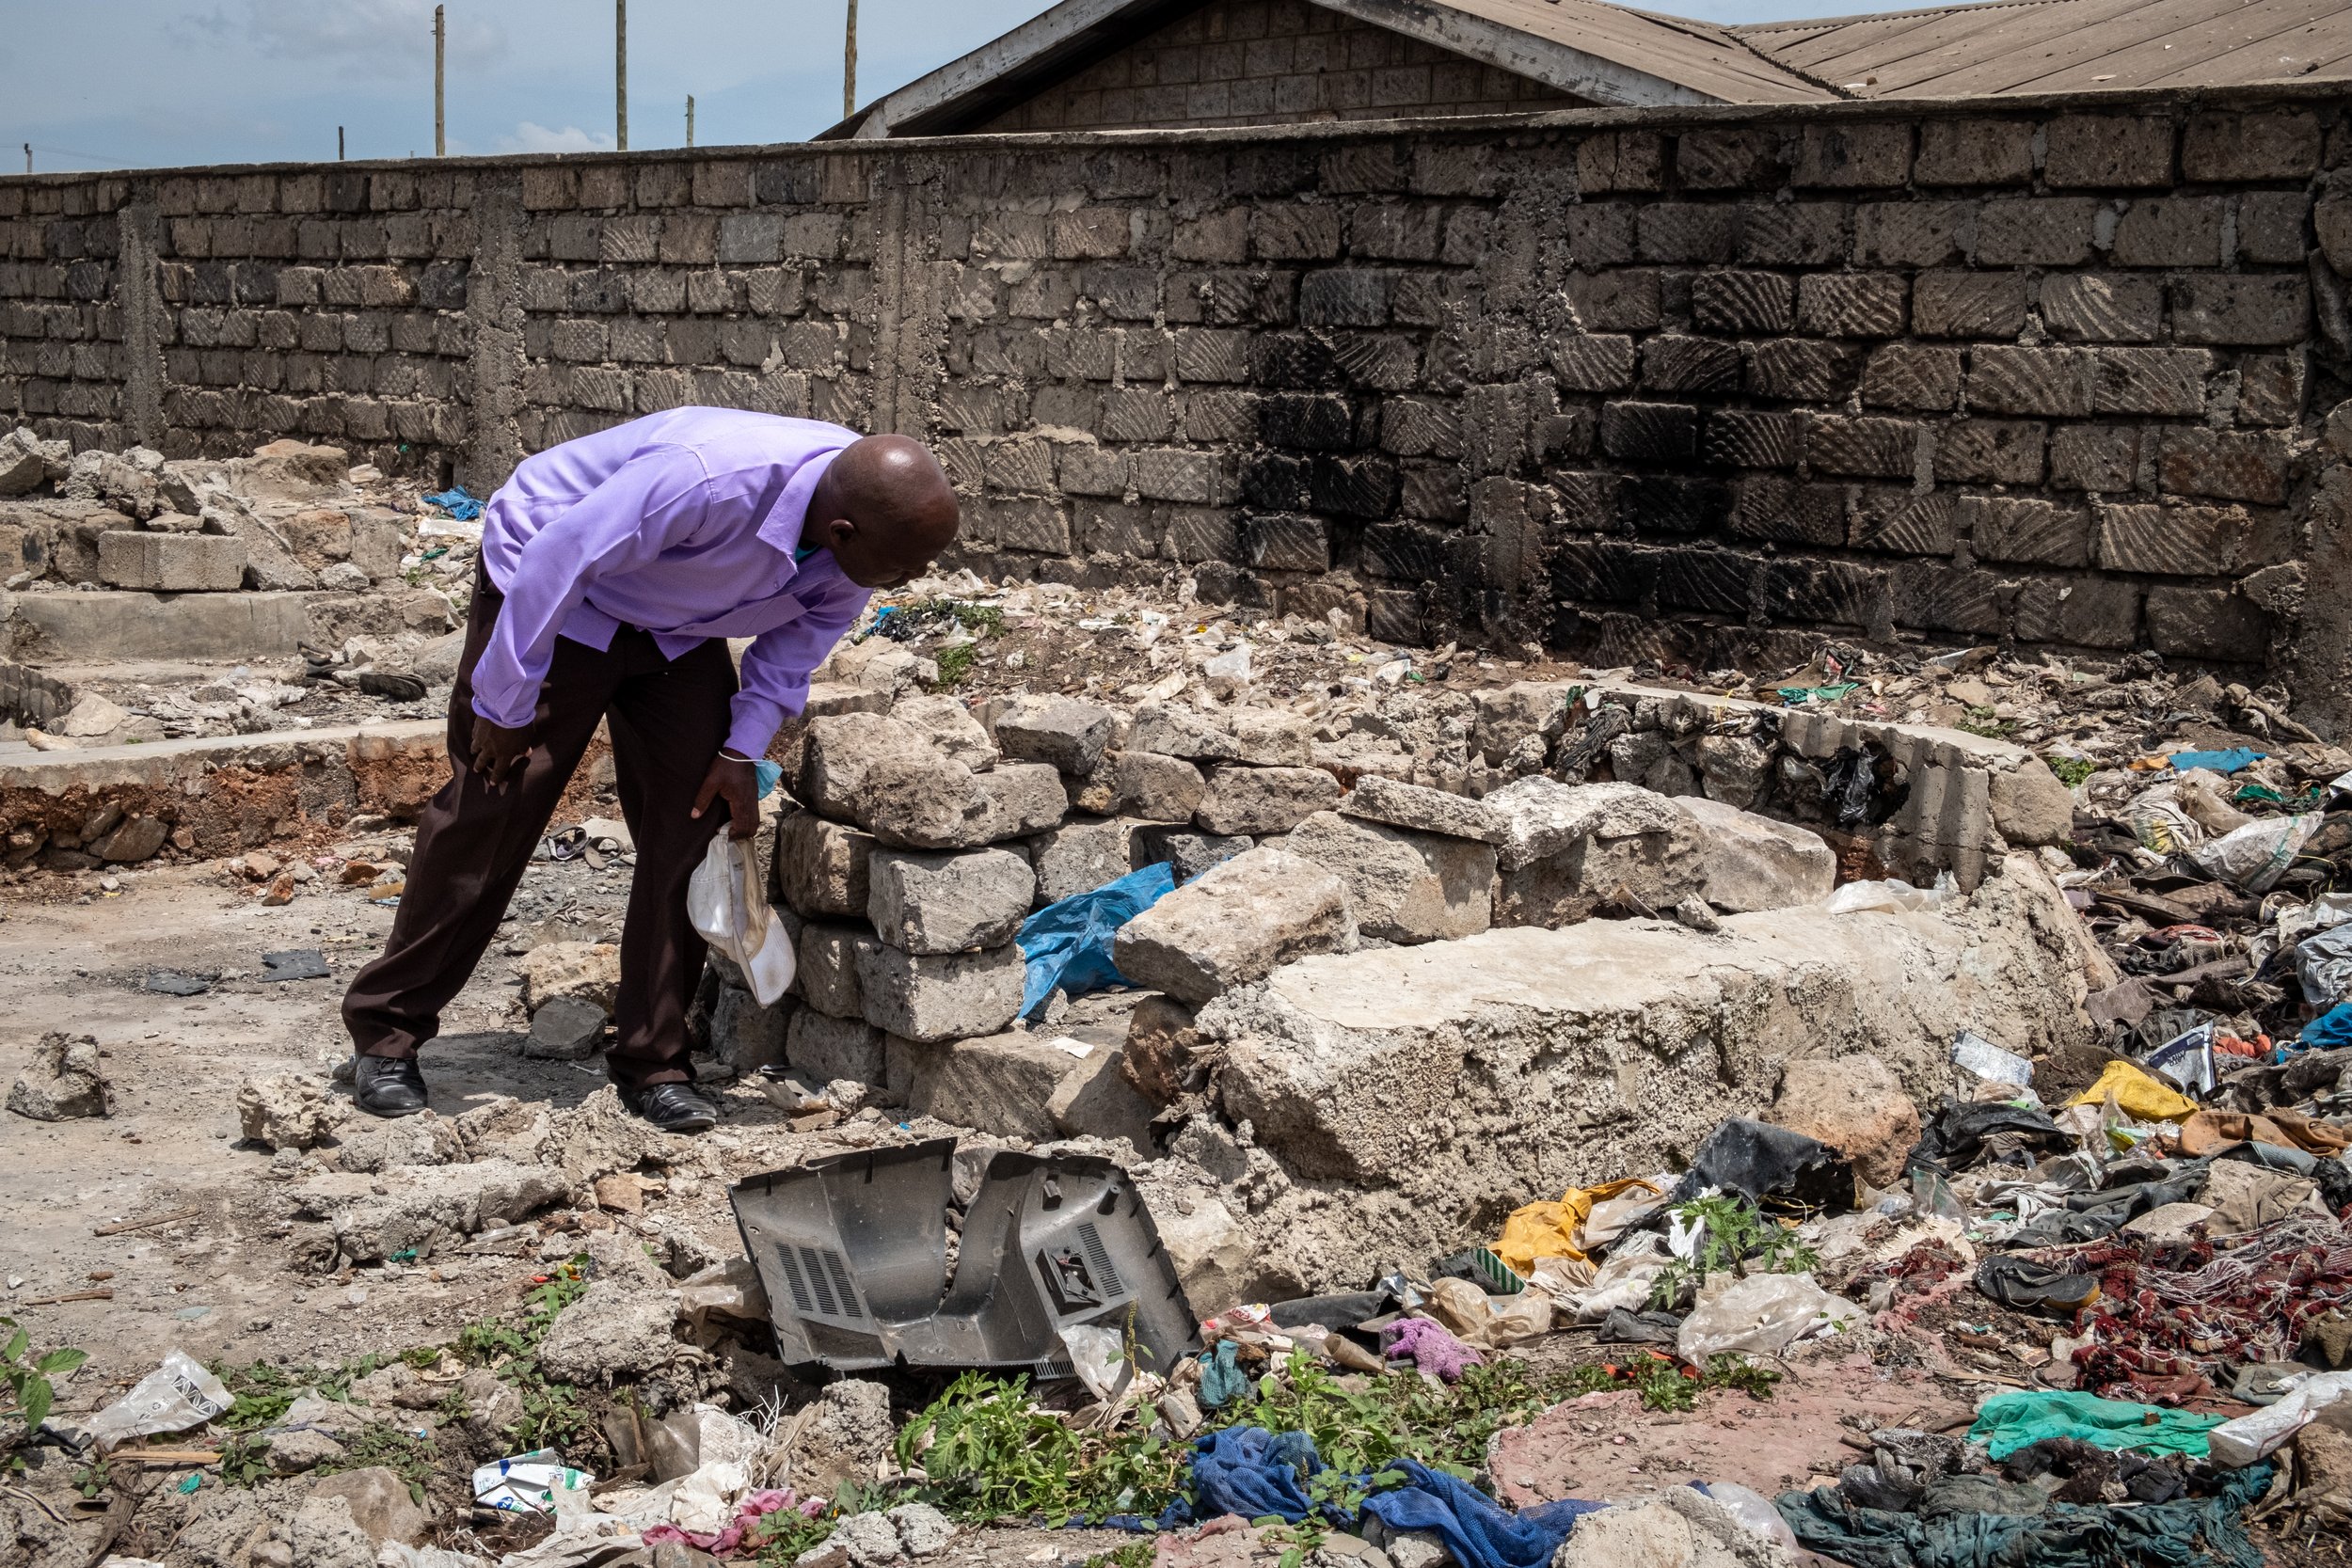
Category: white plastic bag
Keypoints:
(174, 1397)
(1892, 895)
(2255, 855)
(1763, 1315)
(726, 899)
(1099, 1356)
(2239, 1443)
(528, 1482)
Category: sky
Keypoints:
(124, 83)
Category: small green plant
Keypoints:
(94, 1479)
(26, 1391)
(780, 1538)
(552, 1415)
(381, 1444)
(981, 620)
(2072, 771)
(1136, 1554)
(244, 1461)
(1982, 721)
(1738, 1237)
(955, 665)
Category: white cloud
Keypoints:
(532, 138)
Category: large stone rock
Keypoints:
(270, 563)
(381, 1215)
(137, 838)
(950, 726)
(289, 1110)
(564, 1029)
(1569, 848)
(1157, 1057)
(1095, 1099)
(1753, 863)
(21, 467)
(1856, 1105)
(62, 1082)
(822, 1049)
(1020, 798)
(1000, 1083)
(1154, 789)
(1216, 1260)
(821, 866)
(828, 967)
(1403, 886)
(949, 903)
(323, 1534)
(840, 751)
(289, 471)
(1180, 732)
(950, 997)
(1422, 810)
(1060, 732)
(744, 1036)
(2030, 806)
(1080, 856)
(1235, 923)
(1261, 800)
(1269, 737)
(1407, 1095)
(1511, 714)
(590, 971)
(1734, 769)
(614, 1330)
(1187, 850)
(380, 1504)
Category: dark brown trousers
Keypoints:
(669, 718)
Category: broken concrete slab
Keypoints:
(1271, 738)
(950, 726)
(70, 628)
(171, 562)
(1509, 715)
(614, 1329)
(1061, 732)
(590, 971)
(1180, 732)
(1095, 1099)
(1570, 849)
(1403, 886)
(1753, 863)
(1152, 788)
(377, 1216)
(1234, 924)
(289, 1110)
(930, 902)
(380, 1504)
(1419, 1090)
(950, 996)
(1001, 1084)
(1422, 810)
(1261, 800)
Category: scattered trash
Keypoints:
(173, 982)
(301, 963)
(2010, 1421)
(535, 1482)
(178, 1395)
(455, 503)
(726, 899)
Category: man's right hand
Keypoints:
(498, 753)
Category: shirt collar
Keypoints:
(781, 528)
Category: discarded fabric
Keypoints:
(2136, 1095)
(2229, 761)
(1067, 944)
(2330, 1031)
(455, 503)
(1479, 1531)
(2010, 1421)
(1546, 1229)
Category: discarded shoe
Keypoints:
(673, 1107)
(386, 1085)
(391, 685)
(2021, 1283)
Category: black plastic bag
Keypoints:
(1770, 1167)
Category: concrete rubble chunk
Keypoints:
(1510, 715)
(823, 1048)
(380, 1504)
(270, 562)
(289, 471)
(851, 1432)
(1094, 1100)
(291, 1452)
(1855, 1104)
(1403, 886)
(323, 1534)
(1570, 849)
(923, 1530)
(21, 467)
(1753, 863)
(613, 1330)
(1235, 923)
(1677, 1528)
(1159, 1051)
(1189, 851)
(1180, 732)
(1260, 800)
(1372, 1074)
(63, 1082)
(1060, 732)
(828, 966)
(566, 1029)
(842, 749)
(1423, 809)
(1080, 856)
(1020, 798)
(950, 726)
(821, 866)
(1000, 1083)
(1154, 787)
(949, 996)
(590, 971)
(949, 903)
(1267, 737)
(289, 1110)
(423, 1207)
(2030, 806)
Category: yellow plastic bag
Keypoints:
(1551, 1229)
(2136, 1095)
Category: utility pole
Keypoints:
(440, 57)
(339, 144)
(29, 157)
(848, 65)
(690, 120)
(620, 74)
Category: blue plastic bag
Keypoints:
(2231, 761)
(461, 507)
(1067, 944)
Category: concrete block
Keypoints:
(1082, 855)
(171, 563)
(820, 1048)
(1258, 800)
(828, 967)
(950, 996)
(1059, 732)
(1001, 1084)
(822, 866)
(61, 628)
(1403, 886)
(948, 903)
(1234, 924)
(1753, 863)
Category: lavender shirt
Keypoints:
(684, 524)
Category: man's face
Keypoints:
(866, 560)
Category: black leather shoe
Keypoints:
(386, 1085)
(673, 1107)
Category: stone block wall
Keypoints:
(1273, 62)
(1694, 385)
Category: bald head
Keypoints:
(884, 509)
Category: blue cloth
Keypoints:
(1479, 1531)
(769, 775)
(458, 504)
(2218, 761)
(2330, 1031)
(1254, 1473)
(1067, 944)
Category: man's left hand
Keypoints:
(737, 783)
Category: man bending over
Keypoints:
(613, 569)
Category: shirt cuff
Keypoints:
(514, 717)
(756, 722)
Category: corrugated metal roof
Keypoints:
(2064, 45)
(1696, 55)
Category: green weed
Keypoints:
(2072, 771)
(244, 1461)
(553, 1415)
(26, 1394)
(1981, 720)
(955, 665)
(381, 1443)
